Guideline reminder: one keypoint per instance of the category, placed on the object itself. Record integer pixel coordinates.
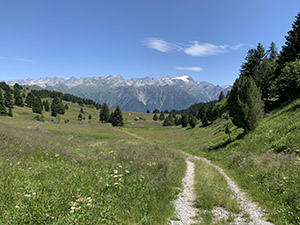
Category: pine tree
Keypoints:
(81, 110)
(184, 120)
(227, 130)
(79, 116)
(8, 99)
(168, 121)
(291, 49)
(111, 117)
(148, 111)
(192, 121)
(104, 113)
(117, 119)
(57, 107)
(177, 121)
(18, 98)
(66, 107)
(47, 106)
(155, 118)
(244, 104)
(37, 106)
(2, 106)
(90, 116)
(221, 96)
(30, 98)
(161, 116)
(204, 119)
(10, 112)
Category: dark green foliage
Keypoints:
(148, 111)
(227, 130)
(90, 116)
(291, 49)
(111, 117)
(204, 119)
(37, 106)
(244, 104)
(10, 112)
(184, 120)
(4, 86)
(66, 107)
(18, 87)
(192, 121)
(166, 111)
(104, 114)
(155, 111)
(8, 99)
(169, 121)
(272, 51)
(17, 96)
(155, 117)
(177, 121)
(47, 106)
(57, 107)
(221, 96)
(287, 84)
(81, 110)
(161, 116)
(30, 98)
(2, 106)
(79, 116)
(117, 119)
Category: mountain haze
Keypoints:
(136, 94)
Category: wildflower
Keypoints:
(115, 171)
(78, 196)
(116, 183)
(18, 163)
(120, 166)
(56, 155)
(33, 193)
(17, 207)
(72, 211)
(88, 198)
(27, 196)
(88, 204)
(126, 171)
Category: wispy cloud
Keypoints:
(193, 68)
(193, 49)
(23, 60)
(205, 49)
(161, 45)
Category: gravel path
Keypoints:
(255, 212)
(184, 203)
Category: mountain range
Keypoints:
(136, 94)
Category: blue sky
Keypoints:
(207, 40)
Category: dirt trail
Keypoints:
(255, 212)
(184, 203)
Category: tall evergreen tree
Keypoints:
(221, 96)
(244, 104)
(184, 120)
(37, 106)
(192, 121)
(2, 106)
(8, 99)
(30, 98)
(17, 96)
(47, 106)
(161, 116)
(57, 107)
(10, 114)
(79, 116)
(117, 119)
(291, 49)
(104, 113)
(90, 116)
(155, 118)
(169, 121)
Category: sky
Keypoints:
(207, 40)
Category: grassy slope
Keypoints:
(254, 161)
(271, 178)
(83, 173)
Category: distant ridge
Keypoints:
(136, 94)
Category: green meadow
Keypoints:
(63, 171)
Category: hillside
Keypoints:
(138, 167)
(136, 94)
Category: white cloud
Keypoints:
(237, 46)
(161, 45)
(23, 60)
(205, 49)
(193, 68)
